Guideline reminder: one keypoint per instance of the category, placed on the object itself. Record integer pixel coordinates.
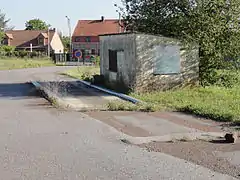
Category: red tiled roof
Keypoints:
(96, 27)
(24, 37)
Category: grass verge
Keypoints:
(218, 103)
(83, 72)
(18, 63)
(212, 102)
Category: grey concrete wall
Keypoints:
(145, 50)
(126, 64)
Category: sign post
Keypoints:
(78, 54)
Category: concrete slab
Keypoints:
(140, 124)
(193, 119)
(190, 121)
(156, 126)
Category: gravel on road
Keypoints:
(202, 153)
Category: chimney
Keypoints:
(102, 18)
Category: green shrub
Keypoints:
(33, 54)
(228, 78)
(16, 53)
(7, 50)
(23, 53)
(224, 78)
(97, 60)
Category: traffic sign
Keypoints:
(78, 54)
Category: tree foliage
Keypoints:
(65, 41)
(7, 50)
(213, 24)
(36, 24)
(3, 24)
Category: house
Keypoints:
(37, 40)
(143, 62)
(86, 34)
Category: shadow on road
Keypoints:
(18, 90)
(71, 89)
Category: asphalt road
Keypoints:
(38, 142)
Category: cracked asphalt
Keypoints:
(38, 142)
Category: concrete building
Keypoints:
(144, 62)
(86, 34)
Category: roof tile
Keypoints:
(24, 37)
(96, 27)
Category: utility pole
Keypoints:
(70, 34)
(1, 31)
(119, 21)
(48, 42)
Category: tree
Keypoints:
(213, 24)
(65, 41)
(3, 24)
(36, 24)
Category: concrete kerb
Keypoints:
(120, 95)
(184, 137)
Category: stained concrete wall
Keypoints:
(125, 76)
(145, 50)
(135, 69)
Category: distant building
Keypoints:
(143, 62)
(35, 39)
(86, 34)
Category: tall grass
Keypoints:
(20, 63)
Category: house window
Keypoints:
(77, 39)
(167, 60)
(40, 41)
(87, 52)
(88, 39)
(112, 60)
(5, 41)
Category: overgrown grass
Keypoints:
(218, 103)
(83, 72)
(213, 102)
(120, 105)
(19, 63)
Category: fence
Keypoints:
(23, 54)
(68, 59)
